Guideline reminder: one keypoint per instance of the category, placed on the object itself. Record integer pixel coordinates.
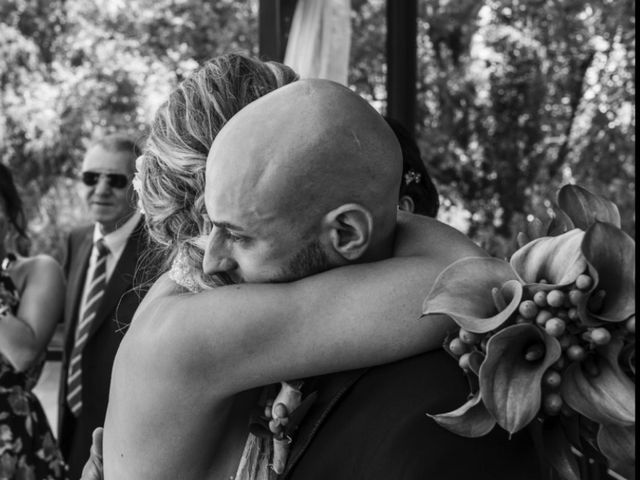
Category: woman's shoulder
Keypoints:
(418, 235)
(161, 295)
(165, 287)
(38, 263)
(37, 266)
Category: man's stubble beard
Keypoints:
(309, 260)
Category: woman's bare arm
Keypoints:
(249, 335)
(242, 336)
(24, 336)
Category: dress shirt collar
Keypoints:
(117, 239)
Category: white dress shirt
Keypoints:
(115, 242)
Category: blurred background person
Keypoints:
(31, 303)
(100, 265)
(418, 194)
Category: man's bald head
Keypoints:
(313, 143)
(303, 151)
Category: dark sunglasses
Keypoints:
(114, 180)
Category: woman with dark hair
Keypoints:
(418, 194)
(31, 302)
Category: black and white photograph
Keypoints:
(317, 240)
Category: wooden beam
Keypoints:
(269, 30)
(402, 50)
(274, 22)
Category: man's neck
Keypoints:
(380, 250)
(106, 229)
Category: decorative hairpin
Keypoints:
(412, 177)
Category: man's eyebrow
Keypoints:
(227, 226)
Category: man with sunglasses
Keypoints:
(101, 299)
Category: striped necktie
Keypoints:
(91, 305)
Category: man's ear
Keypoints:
(350, 227)
(407, 204)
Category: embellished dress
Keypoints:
(28, 450)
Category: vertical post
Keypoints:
(274, 21)
(402, 50)
(269, 30)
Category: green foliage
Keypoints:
(515, 98)
(74, 70)
(529, 96)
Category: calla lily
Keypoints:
(610, 255)
(470, 420)
(463, 292)
(507, 365)
(552, 440)
(607, 398)
(584, 208)
(556, 259)
(560, 224)
(628, 358)
(476, 359)
(534, 229)
(579, 208)
(618, 444)
(510, 385)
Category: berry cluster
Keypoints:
(556, 312)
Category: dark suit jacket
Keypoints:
(372, 425)
(114, 315)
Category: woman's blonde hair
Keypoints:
(172, 168)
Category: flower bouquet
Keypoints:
(547, 339)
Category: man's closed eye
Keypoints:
(235, 238)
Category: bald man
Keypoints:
(299, 182)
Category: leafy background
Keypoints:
(515, 98)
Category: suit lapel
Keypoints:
(121, 280)
(75, 287)
(330, 389)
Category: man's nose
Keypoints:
(216, 263)
(102, 186)
(216, 257)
